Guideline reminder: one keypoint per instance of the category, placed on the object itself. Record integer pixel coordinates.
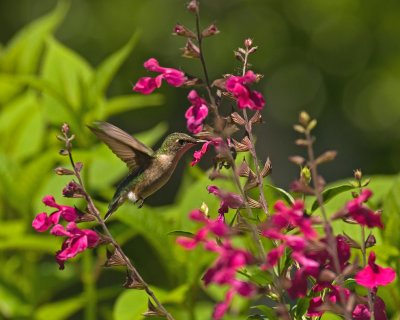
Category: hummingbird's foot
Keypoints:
(140, 203)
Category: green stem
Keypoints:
(89, 286)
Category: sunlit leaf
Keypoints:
(23, 53)
(330, 193)
(391, 215)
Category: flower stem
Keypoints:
(96, 213)
(249, 129)
(327, 226)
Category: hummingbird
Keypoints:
(148, 170)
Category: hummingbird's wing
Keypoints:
(130, 150)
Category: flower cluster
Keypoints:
(246, 98)
(147, 85)
(196, 113)
(228, 262)
(77, 240)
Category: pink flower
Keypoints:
(360, 213)
(373, 275)
(198, 154)
(217, 227)
(42, 222)
(228, 199)
(196, 113)
(78, 240)
(292, 216)
(222, 307)
(246, 98)
(147, 85)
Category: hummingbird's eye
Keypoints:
(181, 142)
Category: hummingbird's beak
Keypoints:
(200, 141)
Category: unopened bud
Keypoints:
(357, 174)
(63, 171)
(193, 6)
(371, 241)
(211, 30)
(305, 174)
(181, 30)
(65, 128)
(73, 190)
(248, 42)
(190, 50)
(238, 56)
(304, 118)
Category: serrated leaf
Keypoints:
(330, 193)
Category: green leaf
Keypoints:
(266, 311)
(391, 215)
(272, 194)
(23, 53)
(71, 76)
(12, 228)
(130, 305)
(301, 307)
(12, 304)
(60, 310)
(131, 102)
(41, 243)
(109, 67)
(179, 233)
(329, 194)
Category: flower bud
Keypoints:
(248, 42)
(357, 174)
(191, 50)
(65, 128)
(304, 118)
(211, 30)
(181, 30)
(193, 6)
(63, 171)
(73, 190)
(371, 241)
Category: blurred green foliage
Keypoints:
(316, 55)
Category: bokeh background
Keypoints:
(339, 60)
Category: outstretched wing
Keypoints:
(130, 150)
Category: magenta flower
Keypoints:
(42, 222)
(78, 240)
(196, 113)
(222, 307)
(228, 200)
(246, 98)
(198, 154)
(290, 217)
(332, 295)
(147, 85)
(217, 227)
(360, 213)
(373, 275)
